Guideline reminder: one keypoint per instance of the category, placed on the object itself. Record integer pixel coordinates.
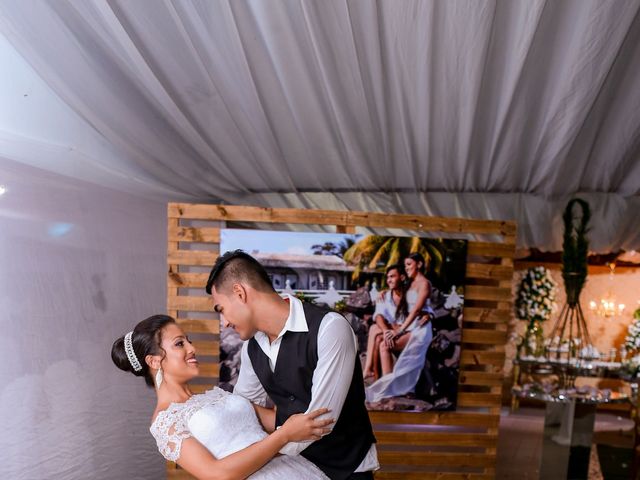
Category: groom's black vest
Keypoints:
(339, 453)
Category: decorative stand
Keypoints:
(570, 412)
(576, 418)
(568, 429)
(569, 343)
(570, 328)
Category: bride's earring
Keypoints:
(159, 378)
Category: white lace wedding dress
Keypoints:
(224, 423)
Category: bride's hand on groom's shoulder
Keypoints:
(307, 426)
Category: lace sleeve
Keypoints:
(170, 429)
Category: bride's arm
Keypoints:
(423, 294)
(199, 462)
(267, 417)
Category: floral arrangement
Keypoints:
(631, 367)
(632, 340)
(536, 298)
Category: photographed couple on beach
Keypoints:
(402, 326)
(413, 343)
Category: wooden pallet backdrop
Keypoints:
(446, 445)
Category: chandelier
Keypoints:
(607, 306)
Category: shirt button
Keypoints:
(292, 398)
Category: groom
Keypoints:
(300, 356)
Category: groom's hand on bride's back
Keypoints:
(307, 426)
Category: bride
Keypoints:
(214, 435)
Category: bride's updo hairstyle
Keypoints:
(145, 340)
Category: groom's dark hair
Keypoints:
(238, 266)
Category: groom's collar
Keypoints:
(296, 321)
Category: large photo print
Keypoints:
(402, 296)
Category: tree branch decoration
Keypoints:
(569, 339)
(575, 249)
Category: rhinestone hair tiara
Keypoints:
(131, 355)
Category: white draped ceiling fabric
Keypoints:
(475, 108)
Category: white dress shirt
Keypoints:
(387, 308)
(337, 348)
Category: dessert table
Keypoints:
(570, 411)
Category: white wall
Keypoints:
(79, 266)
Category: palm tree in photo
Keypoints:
(326, 248)
(376, 253)
(331, 248)
(345, 245)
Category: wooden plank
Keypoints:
(491, 249)
(351, 229)
(481, 357)
(486, 315)
(187, 303)
(332, 217)
(489, 271)
(192, 325)
(193, 234)
(455, 419)
(591, 269)
(207, 348)
(485, 292)
(474, 399)
(199, 280)
(172, 247)
(209, 370)
(512, 238)
(408, 457)
(489, 337)
(192, 257)
(481, 378)
(429, 224)
(507, 262)
(201, 388)
(231, 213)
(188, 280)
(473, 292)
(436, 439)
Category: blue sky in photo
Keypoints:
(276, 242)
